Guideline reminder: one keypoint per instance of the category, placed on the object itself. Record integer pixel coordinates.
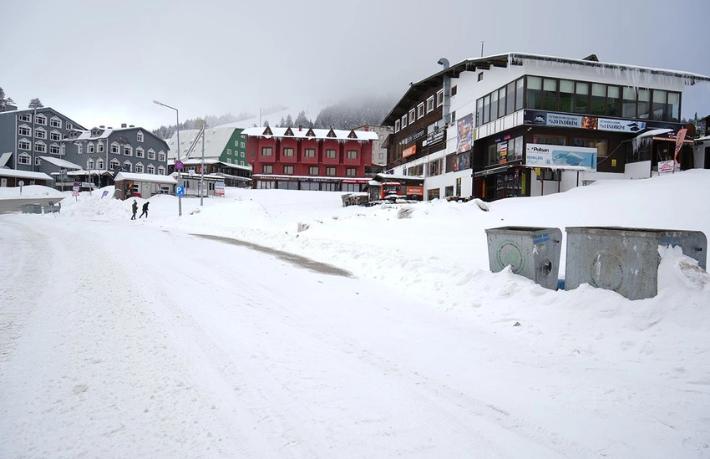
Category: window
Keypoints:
(352, 154)
(581, 97)
(310, 153)
(242, 144)
(454, 90)
(434, 167)
(549, 94)
(432, 194)
(439, 97)
(266, 151)
(534, 92)
(40, 147)
(566, 95)
(404, 121)
(139, 168)
(598, 100)
(115, 148)
(453, 117)
(658, 107)
(288, 170)
(40, 133)
(26, 117)
(24, 158)
(161, 155)
(600, 144)
(24, 144)
(69, 126)
(100, 164)
(54, 149)
(448, 191)
(479, 112)
(420, 110)
(628, 107)
(494, 105)
(90, 148)
(644, 105)
(127, 150)
(41, 119)
(89, 164)
(510, 101)
(150, 169)
(99, 147)
(487, 109)
(24, 130)
(267, 169)
(396, 126)
(674, 106)
(55, 122)
(519, 93)
(161, 170)
(430, 104)
(79, 148)
(412, 116)
(330, 154)
(350, 172)
(480, 76)
(139, 136)
(547, 139)
(140, 153)
(313, 170)
(114, 164)
(288, 152)
(151, 154)
(613, 101)
(330, 171)
(127, 166)
(501, 101)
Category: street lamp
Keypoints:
(177, 119)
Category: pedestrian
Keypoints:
(145, 210)
(134, 207)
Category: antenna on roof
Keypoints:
(482, 43)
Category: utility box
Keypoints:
(625, 260)
(529, 251)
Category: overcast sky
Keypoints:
(104, 62)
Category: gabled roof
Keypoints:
(24, 174)
(60, 162)
(415, 91)
(40, 110)
(339, 134)
(107, 132)
(153, 178)
(216, 140)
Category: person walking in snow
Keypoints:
(134, 207)
(145, 210)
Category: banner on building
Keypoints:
(561, 157)
(464, 133)
(605, 124)
(502, 152)
(411, 151)
(583, 122)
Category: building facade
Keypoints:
(309, 159)
(525, 125)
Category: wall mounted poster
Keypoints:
(561, 157)
(464, 133)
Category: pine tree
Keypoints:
(301, 120)
(35, 103)
(289, 121)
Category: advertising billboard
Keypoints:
(464, 133)
(582, 122)
(411, 151)
(561, 157)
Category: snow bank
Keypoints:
(33, 191)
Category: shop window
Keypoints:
(628, 108)
(674, 106)
(546, 139)
(448, 191)
(510, 98)
(492, 156)
(644, 103)
(434, 168)
(550, 175)
(432, 194)
(549, 94)
(598, 99)
(534, 92)
(600, 144)
(613, 101)
(516, 149)
(288, 170)
(519, 93)
(329, 187)
(658, 108)
(581, 97)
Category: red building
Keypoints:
(309, 159)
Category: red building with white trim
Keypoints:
(309, 159)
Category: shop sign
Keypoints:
(561, 157)
(667, 167)
(411, 151)
(415, 191)
(605, 124)
(502, 149)
(464, 133)
(562, 120)
(219, 188)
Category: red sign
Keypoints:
(415, 190)
(409, 151)
(680, 138)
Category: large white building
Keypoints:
(523, 125)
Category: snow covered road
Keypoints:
(134, 341)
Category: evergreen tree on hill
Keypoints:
(35, 103)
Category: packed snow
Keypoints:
(141, 339)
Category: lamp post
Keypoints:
(177, 119)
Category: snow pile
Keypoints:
(29, 191)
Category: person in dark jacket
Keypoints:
(145, 210)
(134, 207)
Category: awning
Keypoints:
(60, 162)
(4, 158)
(25, 174)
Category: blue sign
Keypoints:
(179, 191)
(561, 157)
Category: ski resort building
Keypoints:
(525, 125)
(309, 159)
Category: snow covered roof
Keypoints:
(700, 139)
(198, 161)
(4, 157)
(153, 178)
(399, 177)
(40, 110)
(216, 140)
(60, 162)
(24, 174)
(89, 172)
(106, 132)
(306, 133)
(316, 177)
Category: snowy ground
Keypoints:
(121, 338)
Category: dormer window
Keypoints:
(331, 133)
(55, 122)
(41, 119)
(139, 136)
(26, 117)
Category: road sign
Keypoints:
(191, 172)
(219, 188)
(21, 183)
(75, 193)
(179, 191)
(179, 166)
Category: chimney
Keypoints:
(444, 62)
(300, 127)
(102, 126)
(131, 125)
(123, 125)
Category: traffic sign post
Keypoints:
(179, 191)
(21, 183)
